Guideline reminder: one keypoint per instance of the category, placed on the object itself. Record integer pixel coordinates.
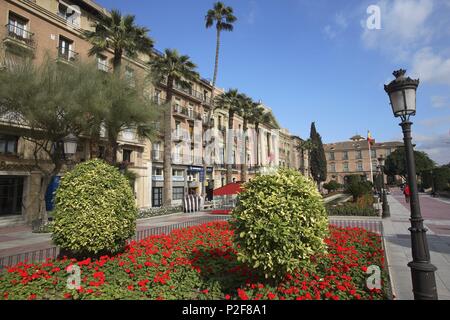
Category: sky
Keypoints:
(320, 60)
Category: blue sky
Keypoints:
(316, 60)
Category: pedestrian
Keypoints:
(407, 193)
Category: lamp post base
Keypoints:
(386, 209)
(423, 280)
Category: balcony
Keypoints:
(19, 37)
(67, 55)
(157, 155)
(157, 178)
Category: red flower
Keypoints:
(32, 297)
(227, 297)
(131, 288)
(271, 296)
(242, 294)
(67, 295)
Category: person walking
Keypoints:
(407, 193)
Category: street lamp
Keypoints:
(402, 95)
(386, 210)
(70, 146)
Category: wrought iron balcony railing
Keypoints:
(67, 55)
(20, 34)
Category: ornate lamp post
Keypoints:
(386, 210)
(70, 147)
(402, 95)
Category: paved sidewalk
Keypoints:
(20, 239)
(398, 243)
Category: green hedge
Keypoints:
(351, 209)
(279, 222)
(95, 210)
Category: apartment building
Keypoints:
(39, 28)
(353, 157)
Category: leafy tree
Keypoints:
(175, 69)
(120, 34)
(318, 161)
(396, 163)
(51, 102)
(306, 146)
(331, 186)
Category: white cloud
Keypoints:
(440, 102)
(436, 146)
(404, 25)
(436, 122)
(431, 67)
(339, 25)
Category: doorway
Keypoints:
(11, 192)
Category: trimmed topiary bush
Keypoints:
(95, 210)
(279, 223)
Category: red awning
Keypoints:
(229, 189)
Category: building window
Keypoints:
(157, 172)
(358, 154)
(127, 155)
(333, 167)
(8, 144)
(374, 164)
(178, 193)
(388, 152)
(359, 166)
(331, 155)
(129, 76)
(178, 129)
(69, 13)
(177, 173)
(18, 27)
(65, 49)
(374, 153)
(345, 155)
(102, 63)
(345, 167)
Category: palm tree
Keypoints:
(176, 69)
(223, 18)
(229, 101)
(246, 111)
(261, 116)
(120, 34)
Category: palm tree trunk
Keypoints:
(216, 65)
(210, 114)
(229, 145)
(167, 195)
(117, 60)
(244, 173)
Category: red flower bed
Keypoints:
(200, 263)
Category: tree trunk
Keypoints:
(216, 65)
(229, 145)
(117, 60)
(244, 173)
(167, 194)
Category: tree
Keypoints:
(126, 108)
(229, 101)
(318, 161)
(258, 117)
(223, 18)
(395, 163)
(246, 111)
(306, 146)
(51, 102)
(176, 69)
(120, 34)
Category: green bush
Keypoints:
(279, 222)
(351, 209)
(359, 189)
(95, 210)
(332, 186)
